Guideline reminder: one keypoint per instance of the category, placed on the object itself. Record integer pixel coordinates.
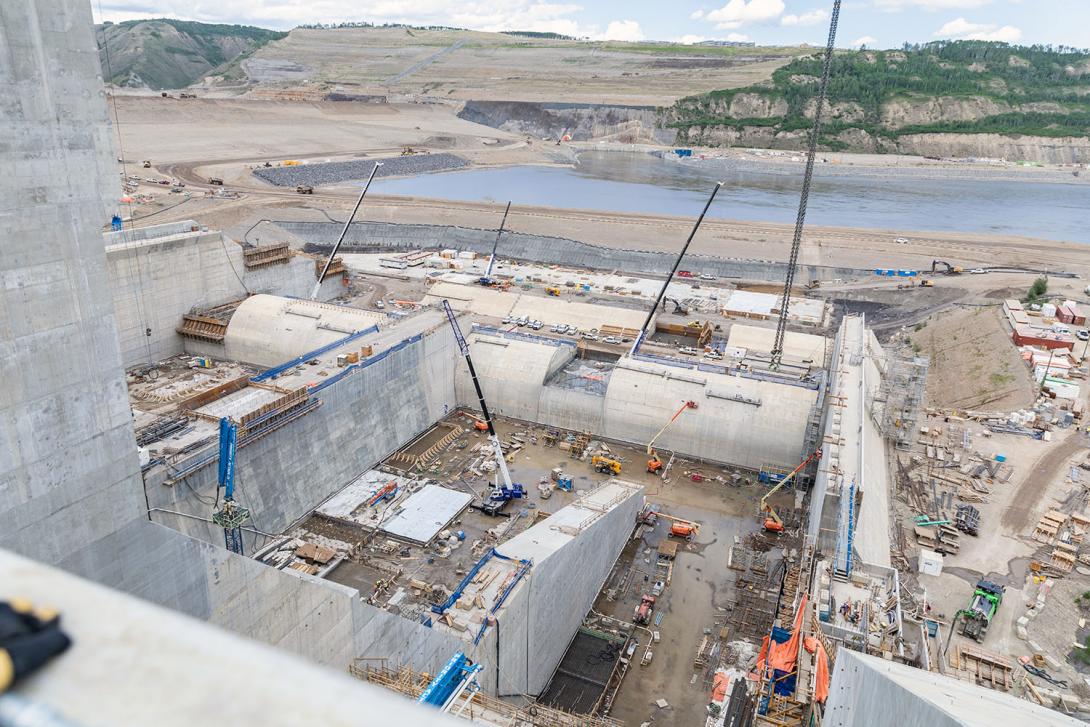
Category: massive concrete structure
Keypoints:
(630, 401)
(70, 487)
(158, 274)
(145, 643)
(867, 690)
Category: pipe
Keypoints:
(347, 223)
(677, 262)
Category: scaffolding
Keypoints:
(897, 402)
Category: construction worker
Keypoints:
(29, 637)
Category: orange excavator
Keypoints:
(772, 522)
(654, 464)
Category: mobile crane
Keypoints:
(486, 279)
(232, 515)
(654, 464)
(504, 491)
(772, 522)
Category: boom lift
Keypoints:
(772, 522)
(486, 279)
(654, 464)
(505, 491)
(232, 515)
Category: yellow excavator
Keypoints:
(654, 464)
(772, 522)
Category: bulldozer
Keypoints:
(605, 465)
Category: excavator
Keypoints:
(948, 268)
(654, 464)
(772, 522)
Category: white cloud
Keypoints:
(498, 15)
(813, 17)
(962, 29)
(696, 14)
(690, 39)
(623, 30)
(737, 13)
(867, 40)
(932, 5)
(737, 37)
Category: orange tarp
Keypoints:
(719, 687)
(821, 681)
(783, 656)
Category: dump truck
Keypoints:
(605, 465)
(983, 604)
(304, 189)
(215, 181)
(552, 291)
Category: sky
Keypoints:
(874, 23)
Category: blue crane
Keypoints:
(232, 515)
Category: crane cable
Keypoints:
(800, 219)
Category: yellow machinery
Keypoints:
(553, 292)
(772, 522)
(654, 464)
(605, 465)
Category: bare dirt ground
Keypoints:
(491, 66)
(974, 365)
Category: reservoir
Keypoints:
(876, 198)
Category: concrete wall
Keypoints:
(176, 669)
(158, 274)
(382, 236)
(640, 398)
(267, 330)
(541, 617)
(363, 418)
(403, 642)
(68, 464)
(866, 690)
(70, 485)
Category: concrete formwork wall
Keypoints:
(383, 236)
(157, 277)
(363, 418)
(540, 618)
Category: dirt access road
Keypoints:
(1023, 506)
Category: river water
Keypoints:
(881, 198)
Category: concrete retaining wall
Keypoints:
(383, 236)
(363, 418)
